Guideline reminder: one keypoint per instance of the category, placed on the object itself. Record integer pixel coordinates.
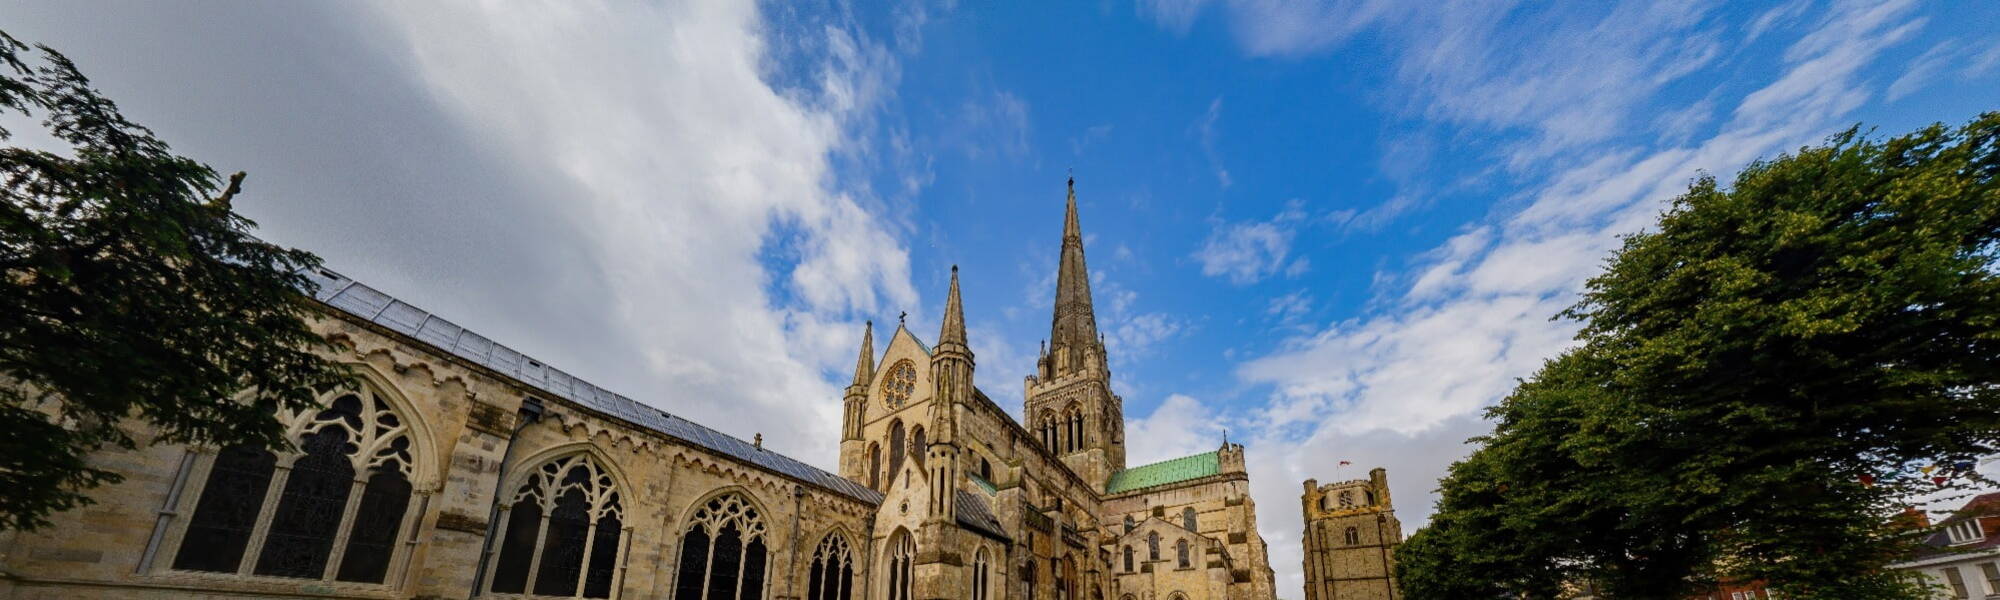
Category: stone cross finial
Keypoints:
(758, 441)
(900, 315)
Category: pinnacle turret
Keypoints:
(953, 331)
(864, 367)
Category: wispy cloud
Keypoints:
(1247, 252)
(1205, 131)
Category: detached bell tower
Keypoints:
(1070, 406)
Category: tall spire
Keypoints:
(1075, 324)
(953, 331)
(864, 367)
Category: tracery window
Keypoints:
(902, 554)
(287, 512)
(899, 383)
(1352, 536)
(980, 568)
(1347, 499)
(1181, 552)
(1187, 518)
(561, 532)
(723, 552)
(1153, 546)
(832, 572)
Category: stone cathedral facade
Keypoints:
(453, 466)
(1350, 539)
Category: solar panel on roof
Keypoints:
(402, 317)
(439, 332)
(361, 300)
(370, 304)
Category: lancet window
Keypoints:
(902, 556)
(561, 532)
(896, 449)
(1153, 546)
(723, 552)
(334, 509)
(832, 571)
(1181, 553)
(981, 572)
(1352, 536)
(1187, 519)
(1128, 559)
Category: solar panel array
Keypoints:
(367, 303)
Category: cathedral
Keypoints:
(453, 466)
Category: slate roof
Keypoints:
(1165, 472)
(974, 513)
(369, 304)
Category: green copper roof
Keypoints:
(1164, 472)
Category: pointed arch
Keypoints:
(562, 525)
(900, 555)
(724, 548)
(830, 575)
(982, 567)
(897, 449)
(335, 507)
(1181, 554)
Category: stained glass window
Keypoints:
(723, 554)
(296, 534)
(567, 512)
(832, 569)
(227, 513)
(899, 383)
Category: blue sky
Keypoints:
(1337, 230)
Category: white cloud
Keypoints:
(1247, 252)
(1205, 130)
(1180, 426)
(1402, 384)
(684, 160)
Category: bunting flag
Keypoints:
(1928, 468)
(1938, 480)
(1867, 480)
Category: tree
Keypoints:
(1763, 380)
(128, 294)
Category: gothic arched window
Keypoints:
(1187, 518)
(560, 532)
(1066, 579)
(1181, 552)
(1352, 536)
(874, 465)
(902, 554)
(899, 383)
(357, 451)
(832, 570)
(723, 552)
(980, 567)
(1128, 559)
(918, 446)
(1347, 499)
(1153, 546)
(896, 449)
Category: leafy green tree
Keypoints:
(129, 295)
(1761, 381)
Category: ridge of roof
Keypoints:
(374, 306)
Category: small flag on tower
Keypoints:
(1345, 463)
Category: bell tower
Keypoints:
(1070, 407)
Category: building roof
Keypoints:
(975, 514)
(1164, 472)
(369, 304)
